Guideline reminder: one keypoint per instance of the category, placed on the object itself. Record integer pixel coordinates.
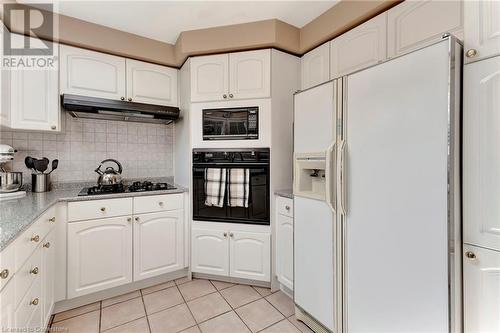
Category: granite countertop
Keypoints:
(17, 215)
(288, 193)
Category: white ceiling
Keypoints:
(164, 20)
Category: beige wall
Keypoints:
(262, 34)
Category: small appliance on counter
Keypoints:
(40, 179)
(10, 181)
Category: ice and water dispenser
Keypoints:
(310, 180)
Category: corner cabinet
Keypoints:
(240, 75)
(482, 29)
(360, 47)
(415, 24)
(315, 66)
(481, 286)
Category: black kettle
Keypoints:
(109, 176)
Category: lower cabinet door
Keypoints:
(48, 276)
(284, 250)
(99, 255)
(250, 255)
(481, 290)
(158, 243)
(7, 308)
(210, 252)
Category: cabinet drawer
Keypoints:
(28, 305)
(28, 273)
(284, 206)
(29, 240)
(158, 203)
(97, 209)
(7, 266)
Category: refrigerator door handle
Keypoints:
(343, 180)
(330, 174)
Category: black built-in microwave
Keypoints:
(231, 123)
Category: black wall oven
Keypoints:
(231, 123)
(226, 162)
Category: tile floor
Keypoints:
(186, 306)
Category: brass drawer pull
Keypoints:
(35, 238)
(35, 301)
(46, 245)
(34, 271)
(4, 274)
(470, 255)
(103, 209)
(53, 219)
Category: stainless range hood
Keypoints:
(101, 108)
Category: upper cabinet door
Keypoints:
(250, 255)
(360, 47)
(210, 78)
(481, 287)
(482, 29)
(90, 73)
(250, 74)
(481, 153)
(150, 83)
(35, 96)
(414, 24)
(315, 66)
(158, 243)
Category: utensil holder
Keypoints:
(40, 182)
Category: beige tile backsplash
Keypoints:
(144, 150)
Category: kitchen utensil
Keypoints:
(40, 182)
(41, 165)
(28, 161)
(10, 181)
(109, 176)
(55, 163)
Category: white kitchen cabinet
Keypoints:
(210, 251)
(249, 254)
(315, 66)
(361, 47)
(158, 243)
(481, 161)
(7, 307)
(284, 241)
(99, 255)
(481, 290)
(250, 74)
(34, 94)
(482, 29)
(151, 84)
(91, 73)
(210, 78)
(414, 24)
(48, 276)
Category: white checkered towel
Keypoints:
(238, 187)
(215, 187)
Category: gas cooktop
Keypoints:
(145, 186)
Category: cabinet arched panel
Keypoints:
(250, 74)
(249, 255)
(209, 78)
(482, 28)
(210, 252)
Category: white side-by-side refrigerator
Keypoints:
(377, 225)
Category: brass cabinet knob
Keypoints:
(53, 127)
(46, 245)
(231, 234)
(470, 255)
(224, 96)
(35, 238)
(161, 203)
(122, 98)
(35, 301)
(225, 234)
(137, 219)
(287, 207)
(52, 219)
(129, 219)
(34, 271)
(103, 209)
(4, 274)
(231, 95)
(471, 53)
(130, 99)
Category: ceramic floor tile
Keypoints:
(226, 323)
(259, 315)
(162, 299)
(85, 323)
(120, 298)
(136, 326)
(194, 329)
(282, 302)
(240, 295)
(208, 306)
(263, 291)
(122, 313)
(172, 320)
(158, 287)
(181, 280)
(283, 326)
(300, 325)
(222, 285)
(196, 288)
(77, 311)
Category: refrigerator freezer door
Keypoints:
(314, 119)
(313, 259)
(397, 194)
